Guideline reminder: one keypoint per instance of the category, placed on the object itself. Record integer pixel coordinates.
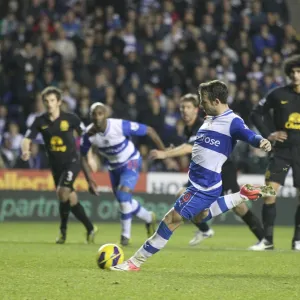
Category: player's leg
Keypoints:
(230, 185)
(228, 202)
(129, 175)
(275, 177)
(64, 209)
(296, 237)
(66, 193)
(296, 179)
(204, 231)
(80, 214)
(250, 219)
(124, 204)
(138, 210)
(123, 195)
(187, 206)
(268, 218)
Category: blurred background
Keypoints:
(138, 57)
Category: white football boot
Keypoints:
(201, 236)
(262, 246)
(125, 266)
(296, 246)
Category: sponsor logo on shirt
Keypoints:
(208, 140)
(293, 121)
(115, 150)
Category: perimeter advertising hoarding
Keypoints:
(43, 206)
(41, 180)
(169, 183)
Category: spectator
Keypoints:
(154, 117)
(255, 72)
(26, 91)
(70, 83)
(137, 58)
(38, 110)
(66, 48)
(46, 80)
(8, 156)
(263, 40)
(98, 92)
(83, 110)
(71, 24)
(9, 25)
(257, 16)
(132, 106)
(14, 137)
(171, 117)
(52, 58)
(3, 120)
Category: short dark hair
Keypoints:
(214, 89)
(51, 90)
(192, 98)
(290, 63)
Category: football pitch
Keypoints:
(33, 267)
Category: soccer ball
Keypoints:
(109, 255)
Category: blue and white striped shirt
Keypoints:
(114, 144)
(214, 143)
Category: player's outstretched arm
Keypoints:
(155, 138)
(85, 146)
(174, 152)
(88, 176)
(30, 135)
(138, 129)
(240, 131)
(25, 148)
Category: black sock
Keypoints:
(297, 225)
(203, 227)
(268, 217)
(64, 211)
(80, 214)
(254, 224)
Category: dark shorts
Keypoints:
(281, 160)
(66, 175)
(229, 178)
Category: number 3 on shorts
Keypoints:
(69, 175)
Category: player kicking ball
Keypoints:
(57, 129)
(112, 139)
(189, 108)
(201, 201)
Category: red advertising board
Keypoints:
(37, 180)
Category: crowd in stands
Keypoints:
(139, 58)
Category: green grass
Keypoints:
(33, 267)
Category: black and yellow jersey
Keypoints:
(58, 136)
(279, 111)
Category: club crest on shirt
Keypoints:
(64, 125)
